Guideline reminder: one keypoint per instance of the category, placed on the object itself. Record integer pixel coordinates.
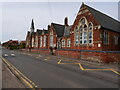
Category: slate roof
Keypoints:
(33, 33)
(39, 32)
(59, 29)
(106, 21)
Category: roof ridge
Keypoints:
(101, 12)
(58, 24)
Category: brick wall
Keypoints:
(97, 56)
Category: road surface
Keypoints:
(46, 72)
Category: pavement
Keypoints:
(48, 71)
(9, 80)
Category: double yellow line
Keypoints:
(82, 68)
(20, 75)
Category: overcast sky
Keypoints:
(16, 17)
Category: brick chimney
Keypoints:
(66, 21)
(48, 27)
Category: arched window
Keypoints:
(85, 27)
(84, 32)
(76, 29)
(81, 28)
(76, 35)
(90, 34)
(82, 21)
(90, 26)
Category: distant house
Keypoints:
(22, 44)
(11, 44)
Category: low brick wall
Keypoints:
(41, 51)
(98, 56)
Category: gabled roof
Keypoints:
(67, 31)
(106, 21)
(59, 29)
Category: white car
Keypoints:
(6, 55)
(12, 54)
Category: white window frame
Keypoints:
(51, 38)
(90, 38)
(44, 41)
(84, 38)
(63, 43)
(116, 40)
(32, 42)
(76, 35)
(36, 41)
(68, 42)
(41, 41)
(90, 30)
(106, 38)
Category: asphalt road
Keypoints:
(49, 74)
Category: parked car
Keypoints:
(6, 55)
(12, 54)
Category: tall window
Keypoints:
(32, 42)
(68, 43)
(81, 37)
(85, 38)
(44, 41)
(51, 38)
(76, 35)
(77, 39)
(116, 40)
(106, 38)
(41, 41)
(90, 35)
(36, 41)
(63, 43)
(85, 34)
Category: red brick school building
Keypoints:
(92, 36)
